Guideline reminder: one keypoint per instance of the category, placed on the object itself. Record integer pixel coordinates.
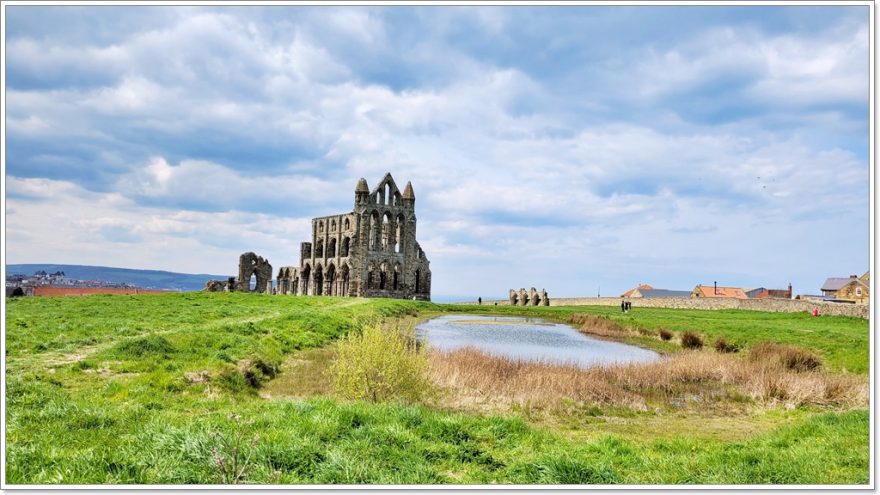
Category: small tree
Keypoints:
(379, 365)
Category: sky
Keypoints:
(579, 149)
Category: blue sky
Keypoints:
(566, 148)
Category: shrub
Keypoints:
(379, 364)
(722, 345)
(665, 334)
(790, 357)
(690, 340)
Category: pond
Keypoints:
(530, 339)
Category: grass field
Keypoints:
(219, 388)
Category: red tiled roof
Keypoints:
(712, 291)
(629, 292)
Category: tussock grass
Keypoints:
(665, 334)
(504, 381)
(788, 356)
(722, 345)
(690, 340)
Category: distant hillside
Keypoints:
(148, 279)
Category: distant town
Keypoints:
(42, 283)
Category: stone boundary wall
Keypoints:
(90, 291)
(770, 305)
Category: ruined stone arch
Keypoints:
(321, 227)
(331, 248)
(319, 248)
(370, 276)
(347, 224)
(383, 275)
(333, 225)
(346, 246)
(250, 264)
(395, 277)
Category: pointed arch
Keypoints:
(331, 280)
(345, 275)
(319, 280)
(306, 278)
(346, 246)
(331, 248)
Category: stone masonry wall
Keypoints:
(770, 305)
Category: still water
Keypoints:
(529, 339)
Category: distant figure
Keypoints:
(815, 311)
(623, 306)
(629, 306)
(496, 303)
(480, 301)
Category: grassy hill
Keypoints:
(173, 388)
(147, 279)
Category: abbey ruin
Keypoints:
(369, 252)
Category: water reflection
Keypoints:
(527, 338)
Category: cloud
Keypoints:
(581, 146)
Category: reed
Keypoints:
(475, 377)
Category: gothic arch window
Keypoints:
(319, 249)
(343, 251)
(382, 276)
(374, 231)
(347, 224)
(395, 280)
(331, 248)
(370, 277)
(320, 227)
(398, 246)
(332, 225)
(387, 190)
(387, 232)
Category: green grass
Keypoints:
(101, 389)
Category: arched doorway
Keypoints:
(345, 278)
(319, 281)
(331, 281)
(306, 279)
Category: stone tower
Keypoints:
(369, 252)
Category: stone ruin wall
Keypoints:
(769, 305)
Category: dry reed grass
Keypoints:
(665, 334)
(790, 357)
(476, 377)
(597, 325)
